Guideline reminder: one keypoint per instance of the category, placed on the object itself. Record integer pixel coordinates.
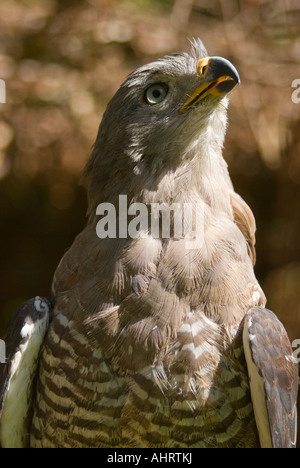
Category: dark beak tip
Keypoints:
(226, 86)
(237, 79)
(220, 66)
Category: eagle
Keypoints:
(156, 334)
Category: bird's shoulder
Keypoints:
(245, 221)
(23, 340)
(273, 375)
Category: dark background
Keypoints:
(63, 60)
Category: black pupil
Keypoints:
(156, 93)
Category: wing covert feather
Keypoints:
(273, 376)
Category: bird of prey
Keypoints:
(159, 339)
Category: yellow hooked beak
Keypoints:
(219, 78)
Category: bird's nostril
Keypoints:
(202, 66)
(203, 70)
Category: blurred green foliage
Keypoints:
(63, 60)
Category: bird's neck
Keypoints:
(202, 177)
(194, 173)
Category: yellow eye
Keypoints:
(156, 93)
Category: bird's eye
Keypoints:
(156, 93)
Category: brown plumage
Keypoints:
(145, 347)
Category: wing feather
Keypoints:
(245, 220)
(23, 340)
(273, 376)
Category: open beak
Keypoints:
(219, 78)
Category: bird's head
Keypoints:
(162, 111)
